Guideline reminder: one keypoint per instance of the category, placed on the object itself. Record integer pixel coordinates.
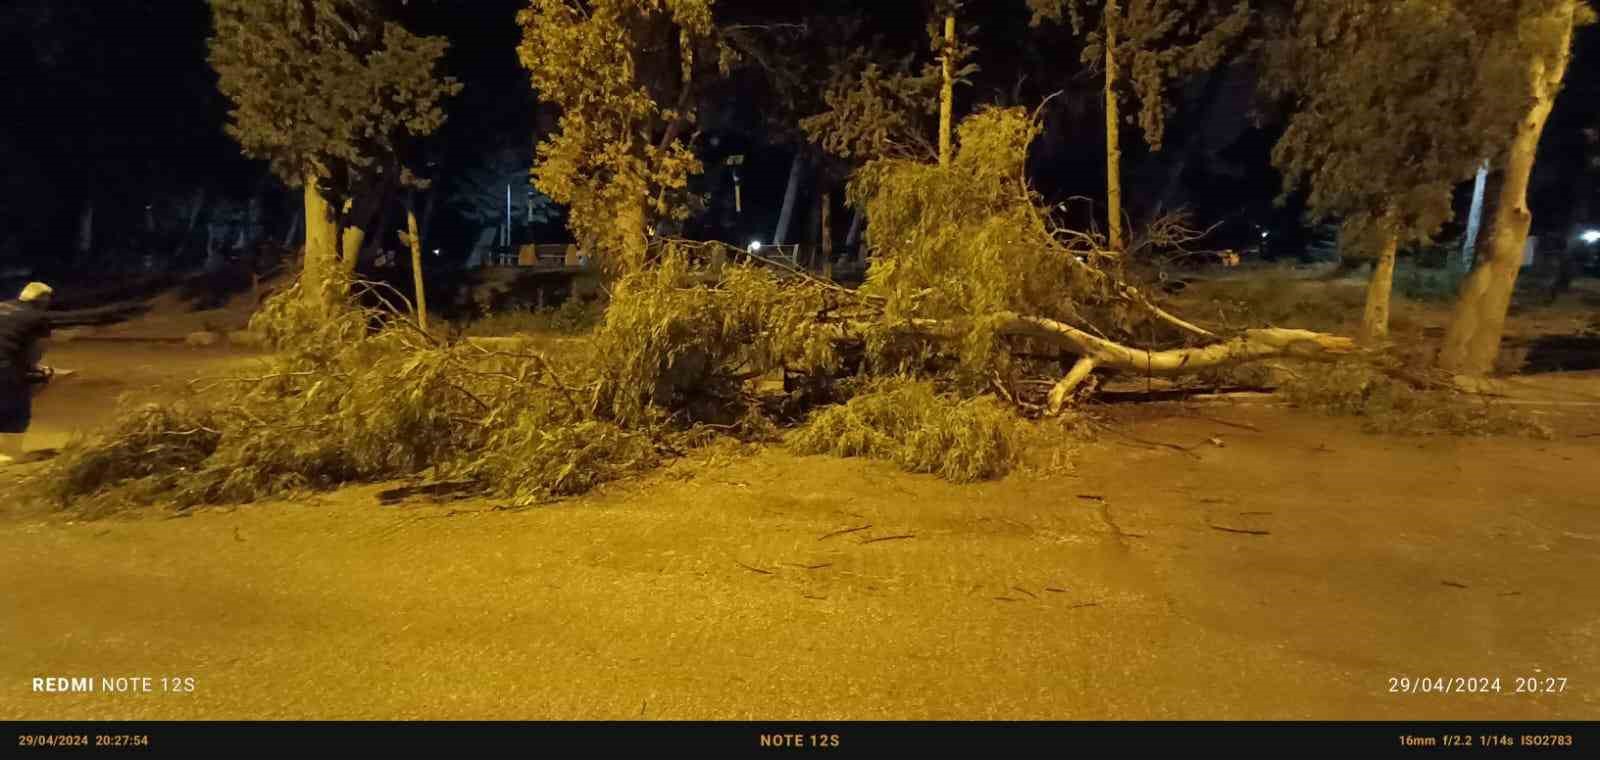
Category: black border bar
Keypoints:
(775, 738)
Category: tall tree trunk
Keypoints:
(1113, 133)
(86, 228)
(427, 215)
(1375, 319)
(1576, 218)
(781, 234)
(825, 240)
(1469, 242)
(1472, 342)
(415, 238)
(322, 249)
(947, 92)
(632, 222)
(852, 239)
(194, 218)
(377, 236)
(356, 223)
(294, 227)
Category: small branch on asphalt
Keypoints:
(842, 532)
(888, 538)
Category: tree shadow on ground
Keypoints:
(1562, 353)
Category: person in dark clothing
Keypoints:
(24, 326)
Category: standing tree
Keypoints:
(1385, 121)
(1155, 41)
(624, 73)
(1528, 44)
(326, 91)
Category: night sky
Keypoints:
(113, 101)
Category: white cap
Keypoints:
(35, 291)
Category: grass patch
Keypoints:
(1388, 406)
(913, 425)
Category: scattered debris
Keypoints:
(753, 569)
(842, 532)
(1246, 531)
(889, 538)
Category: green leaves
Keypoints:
(623, 73)
(1394, 104)
(324, 88)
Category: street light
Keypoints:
(1590, 236)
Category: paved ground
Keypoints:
(1290, 573)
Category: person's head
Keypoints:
(38, 294)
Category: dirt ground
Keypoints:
(1282, 566)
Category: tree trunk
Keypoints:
(350, 252)
(194, 218)
(86, 228)
(1375, 320)
(1113, 133)
(294, 227)
(789, 193)
(415, 239)
(322, 249)
(1094, 351)
(1472, 342)
(947, 92)
(355, 223)
(427, 216)
(377, 236)
(853, 238)
(1469, 242)
(1576, 219)
(214, 259)
(825, 240)
(631, 225)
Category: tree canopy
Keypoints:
(325, 88)
(1387, 111)
(623, 73)
(1158, 42)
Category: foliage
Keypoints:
(877, 107)
(1158, 41)
(673, 342)
(623, 73)
(325, 88)
(362, 395)
(919, 429)
(969, 242)
(1389, 406)
(1388, 116)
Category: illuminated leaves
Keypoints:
(623, 73)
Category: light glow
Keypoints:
(1590, 236)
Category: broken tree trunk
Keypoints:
(1095, 352)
